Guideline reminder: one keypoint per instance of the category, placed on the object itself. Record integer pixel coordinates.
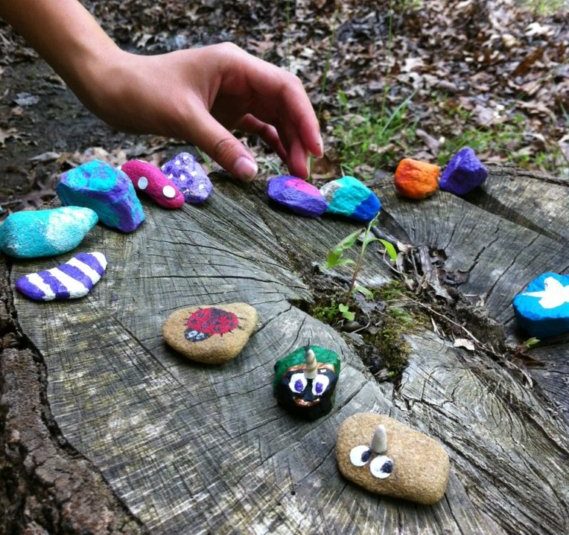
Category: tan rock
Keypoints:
(414, 466)
(210, 334)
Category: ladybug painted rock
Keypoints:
(206, 322)
(210, 334)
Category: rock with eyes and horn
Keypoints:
(305, 381)
(386, 457)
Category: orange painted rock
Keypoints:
(415, 179)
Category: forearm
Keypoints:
(65, 34)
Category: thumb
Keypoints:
(222, 146)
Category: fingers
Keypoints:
(221, 145)
(268, 133)
(277, 96)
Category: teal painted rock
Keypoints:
(349, 197)
(34, 234)
(108, 191)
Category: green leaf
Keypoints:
(348, 241)
(366, 292)
(334, 259)
(530, 342)
(390, 250)
(346, 312)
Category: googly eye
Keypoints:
(381, 467)
(297, 383)
(320, 384)
(359, 456)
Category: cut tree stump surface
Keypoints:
(190, 449)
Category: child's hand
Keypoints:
(202, 94)
(198, 95)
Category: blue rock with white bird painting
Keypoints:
(39, 233)
(542, 309)
(349, 197)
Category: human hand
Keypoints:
(201, 95)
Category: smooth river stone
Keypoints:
(414, 467)
(349, 197)
(463, 173)
(210, 334)
(106, 190)
(297, 195)
(542, 309)
(34, 234)
(415, 179)
(189, 177)
(305, 385)
(72, 280)
(148, 179)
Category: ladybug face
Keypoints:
(206, 322)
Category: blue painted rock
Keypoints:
(463, 173)
(297, 195)
(351, 198)
(72, 280)
(106, 190)
(148, 179)
(34, 234)
(189, 177)
(542, 309)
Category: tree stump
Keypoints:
(124, 435)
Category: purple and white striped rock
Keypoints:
(189, 177)
(297, 195)
(72, 280)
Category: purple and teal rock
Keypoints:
(39, 233)
(72, 280)
(189, 177)
(108, 191)
(297, 195)
(463, 173)
(349, 197)
(542, 309)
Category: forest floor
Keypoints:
(388, 80)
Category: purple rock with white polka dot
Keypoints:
(189, 177)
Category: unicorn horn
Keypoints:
(311, 364)
(379, 441)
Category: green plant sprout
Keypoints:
(336, 256)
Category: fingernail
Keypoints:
(245, 169)
(321, 147)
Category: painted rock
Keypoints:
(106, 190)
(34, 234)
(189, 177)
(415, 179)
(72, 280)
(148, 179)
(542, 309)
(297, 195)
(386, 457)
(463, 173)
(305, 381)
(351, 198)
(210, 334)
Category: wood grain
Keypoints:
(193, 449)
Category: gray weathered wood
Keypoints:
(194, 449)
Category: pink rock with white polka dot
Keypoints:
(147, 178)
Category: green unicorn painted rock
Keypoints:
(305, 381)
